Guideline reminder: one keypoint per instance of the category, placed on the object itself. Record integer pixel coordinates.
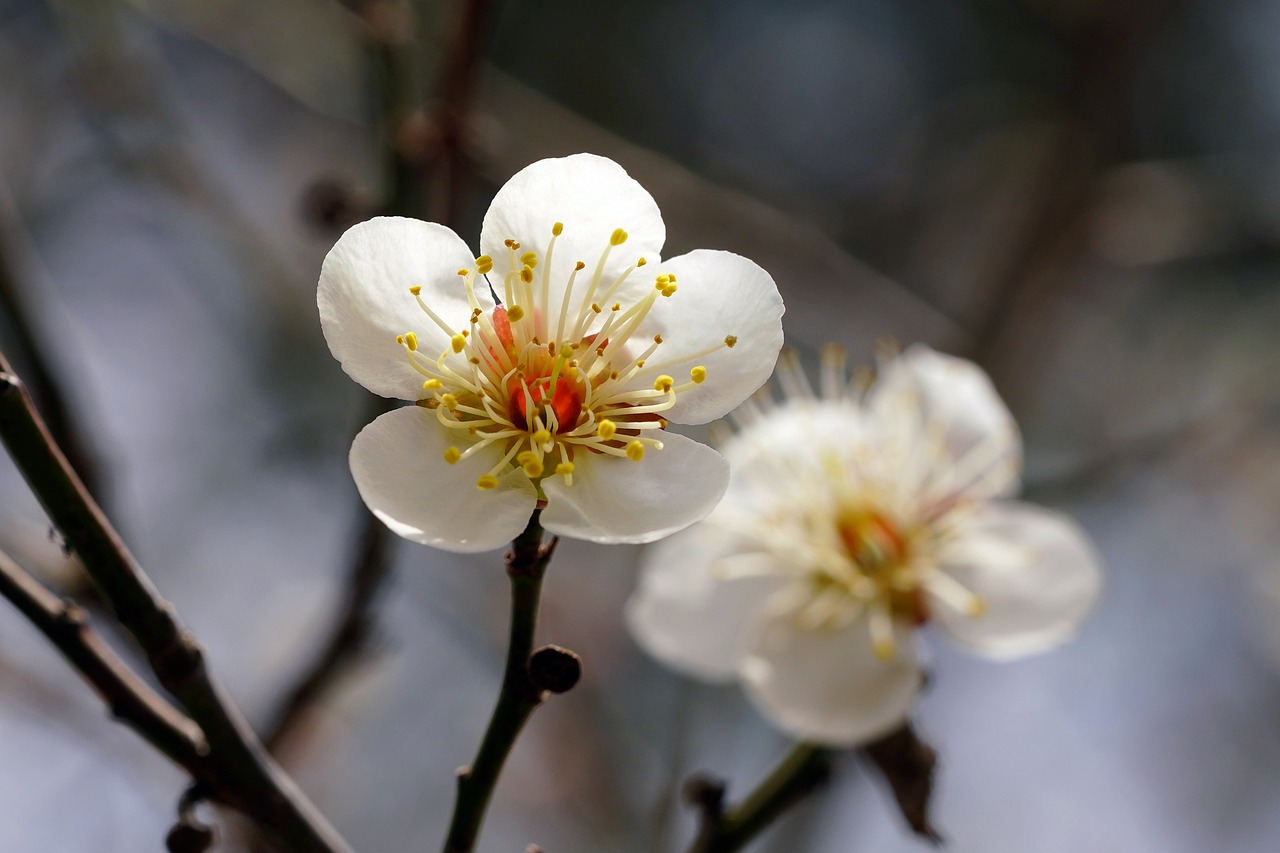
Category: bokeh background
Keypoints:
(1082, 196)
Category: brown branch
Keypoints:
(13, 305)
(411, 157)
(242, 775)
(527, 679)
(129, 699)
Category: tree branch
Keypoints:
(805, 768)
(528, 678)
(242, 775)
(129, 699)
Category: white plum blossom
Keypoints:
(851, 519)
(546, 369)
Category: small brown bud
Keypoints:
(555, 669)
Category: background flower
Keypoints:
(849, 521)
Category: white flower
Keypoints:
(849, 521)
(559, 393)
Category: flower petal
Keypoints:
(399, 468)
(591, 196)
(718, 295)
(365, 302)
(615, 500)
(927, 403)
(686, 615)
(1035, 571)
(827, 684)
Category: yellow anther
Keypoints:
(452, 455)
(515, 313)
(669, 290)
(663, 383)
(415, 290)
(459, 343)
(596, 307)
(484, 263)
(618, 237)
(671, 276)
(617, 306)
(564, 469)
(411, 341)
(661, 282)
(464, 333)
(606, 429)
(976, 608)
(657, 339)
(579, 266)
(542, 436)
(641, 262)
(450, 402)
(533, 468)
(698, 375)
(556, 229)
(613, 374)
(509, 243)
(474, 359)
(526, 273)
(529, 259)
(463, 271)
(400, 339)
(432, 385)
(488, 481)
(730, 340)
(635, 450)
(525, 455)
(884, 648)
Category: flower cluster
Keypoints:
(546, 369)
(852, 518)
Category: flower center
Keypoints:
(547, 379)
(880, 552)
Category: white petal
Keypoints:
(591, 196)
(718, 294)
(614, 500)
(365, 302)
(398, 465)
(827, 685)
(944, 413)
(1036, 572)
(686, 614)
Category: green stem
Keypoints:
(805, 768)
(519, 696)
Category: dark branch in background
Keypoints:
(14, 307)
(1105, 52)
(129, 699)
(905, 761)
(238, 772)
(527, 679)
(426, 174)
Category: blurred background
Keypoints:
(1083, 196)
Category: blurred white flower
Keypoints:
(560, 394)
(849, 520)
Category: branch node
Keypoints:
(554, 669)
(705, 793)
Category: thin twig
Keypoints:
(129, 698)
(524, 687)
(242, 775)
(805, 768)
(350, 635)
(409, 160)
(13, 305)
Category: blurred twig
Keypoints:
(14, 306)
(805, 768)
(413, 155)
(905, 761)
(239, 772)
(129, 699)
(1105, 53)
